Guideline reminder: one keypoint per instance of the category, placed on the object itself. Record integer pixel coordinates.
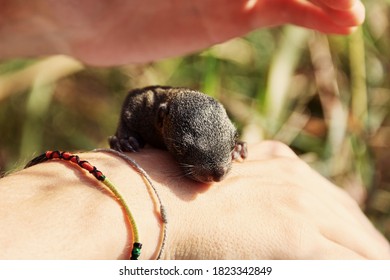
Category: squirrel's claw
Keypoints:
(124, 145)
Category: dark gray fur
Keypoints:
(192, 126)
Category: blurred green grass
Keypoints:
(328, 97)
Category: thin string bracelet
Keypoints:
(136, 250)
(150, 185)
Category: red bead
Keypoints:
(66, 155)
(87, 165)
(48, 154)
(74, 159)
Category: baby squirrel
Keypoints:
(192, 126)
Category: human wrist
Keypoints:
(130, 185)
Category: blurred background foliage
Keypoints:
(327, 97)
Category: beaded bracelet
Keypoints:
(136, 250)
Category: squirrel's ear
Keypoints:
(161, 113)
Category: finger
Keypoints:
(358, 239)
(338, 4)
(326, 20)
(351, 16)
(373, 244)
(348, 226)
(270, 149)
(351, 213)
(334, 251)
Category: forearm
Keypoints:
(55, 210)
(119, 32)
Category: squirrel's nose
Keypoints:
(219, 173)
(209, 174)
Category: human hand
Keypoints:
(272, 206)
(120, 32)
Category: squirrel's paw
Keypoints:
(130, 144)
(240, 151)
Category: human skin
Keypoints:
(271, 206)
(119, 32)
